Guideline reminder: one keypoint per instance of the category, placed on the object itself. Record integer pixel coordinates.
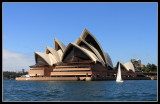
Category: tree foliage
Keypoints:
(7, 75)
(149, 68)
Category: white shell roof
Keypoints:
(87, 52)
(54, 53)
(92, 48)
(92, 55)
(109, 61)
(49, 58)
(57, 53)
(84, 35)
(60, 53)
(129, 66)
(62, 46)
(52, 59)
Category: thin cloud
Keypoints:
(13, 61)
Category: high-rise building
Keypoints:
(22, 70)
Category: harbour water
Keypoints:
(129, 90)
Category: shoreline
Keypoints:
(80, 78)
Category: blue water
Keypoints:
(129, 90)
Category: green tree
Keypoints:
(151, 67)
(135, 64)
(143, 68)
(147, 70)
(114, 68)
(139, 68)
(8, 75)
(154, 67)
(148, 66)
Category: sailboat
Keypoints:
(119, 78)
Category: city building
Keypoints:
(22, 70)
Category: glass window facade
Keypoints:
(75, 55)
(40, 61)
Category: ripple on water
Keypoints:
(80, 91)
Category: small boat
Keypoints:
(119, 78)
(27, 77)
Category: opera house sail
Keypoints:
(82, 60)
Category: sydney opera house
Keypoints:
(83, 60)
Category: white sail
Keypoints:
(119, 78)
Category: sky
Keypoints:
(124, 30)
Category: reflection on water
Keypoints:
(129, 90)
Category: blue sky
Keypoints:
(124, 30)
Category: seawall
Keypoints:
(78, 78)
(54, 79)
